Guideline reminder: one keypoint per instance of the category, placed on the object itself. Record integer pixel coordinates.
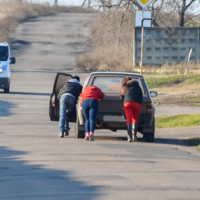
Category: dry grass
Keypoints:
(95, 62)
(99, 61)
(111, 38)
(173, 69)
(15, 12)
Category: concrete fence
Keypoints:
(162, 45)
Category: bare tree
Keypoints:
(186, 11)
(163, 10)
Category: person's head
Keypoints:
(77, 78)
(134, 82)
(124, 85)
(125, 81)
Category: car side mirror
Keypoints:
(153, 93)
(12, 60)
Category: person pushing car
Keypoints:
(90, 98)
(131, 94)
(67, 96)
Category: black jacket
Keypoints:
(134, 93)
(72, 88)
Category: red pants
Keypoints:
(132, 110)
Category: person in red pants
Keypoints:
(131, 94)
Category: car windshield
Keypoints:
(109, 84)
(3, 53)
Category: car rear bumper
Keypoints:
(4, 83)
(115, 122)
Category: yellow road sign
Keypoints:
(144, 3)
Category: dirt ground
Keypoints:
(177, 97)
(178, 92)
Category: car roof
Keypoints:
(116, 73)
(4, 44)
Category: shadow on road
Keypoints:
(38, 71)
(20, 180)
(5, 108)
(171, 141)
(30, 93)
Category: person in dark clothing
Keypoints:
(67, 96)
(131, 94)
(90, 98)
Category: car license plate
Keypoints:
(1, 70)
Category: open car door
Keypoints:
(61, 78)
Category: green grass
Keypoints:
(196, 98)
(194, 79)
(195, 142)
(161, 81)
(171, 80)
(178, 121)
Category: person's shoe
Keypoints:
(129, 139)
(87, 136)
(66, 133)
(129, 131)
(61, 134)
(134, 138)
(91, 138)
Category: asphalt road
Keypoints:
(36, 164)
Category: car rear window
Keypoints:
(110, 84)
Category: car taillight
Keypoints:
(149, 108)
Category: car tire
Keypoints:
(149, 137)
(79, 133)
(7, 90)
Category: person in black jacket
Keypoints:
(67, 96)
(131, 94)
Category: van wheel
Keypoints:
(7, 90)
(149, 137)
(79, 133)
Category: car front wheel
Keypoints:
(7, 90)
(79, 133)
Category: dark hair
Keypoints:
(77, 78)
(124, 86)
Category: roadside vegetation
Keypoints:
(111, 35)
(195, 142)
(14, 12)
(172, 80)
(178, 121)
(176, 90)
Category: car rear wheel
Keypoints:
(149, 137)
(79, 133)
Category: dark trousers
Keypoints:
(67, 103)
(90, 109)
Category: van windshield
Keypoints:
(3, 53)
(109, 84)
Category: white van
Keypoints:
(5, 61)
